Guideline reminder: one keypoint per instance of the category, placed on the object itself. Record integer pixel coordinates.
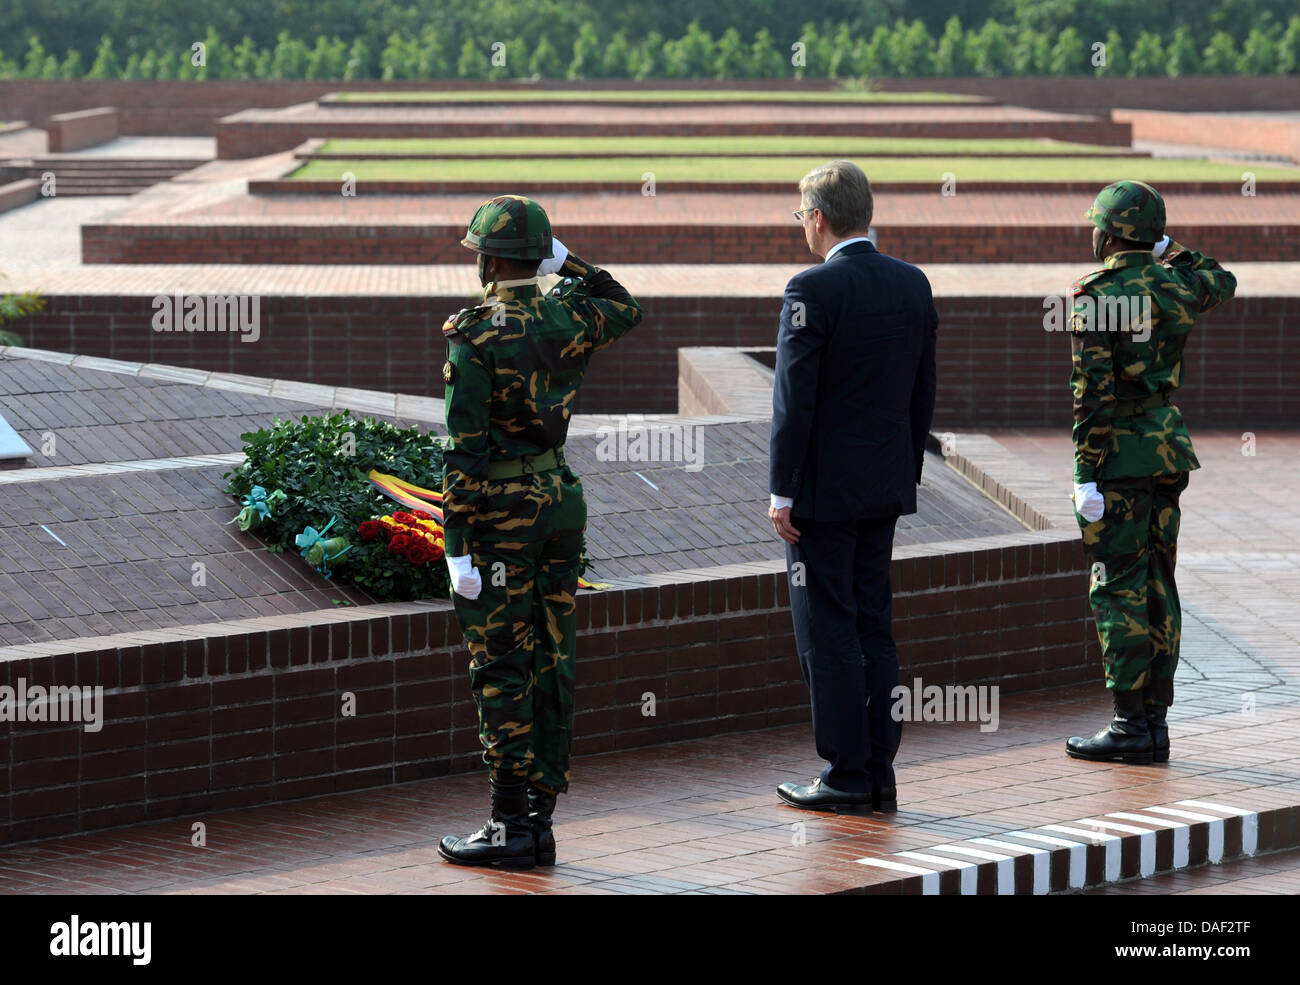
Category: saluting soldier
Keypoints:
(1131, 321)
(514, 512)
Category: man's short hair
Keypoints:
(843, 193)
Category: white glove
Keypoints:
(1159, 249)
(1089, 503)
(553, 265)
(465, 580)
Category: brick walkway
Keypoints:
(702, 816)
(1277, 874)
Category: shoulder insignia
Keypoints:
(465, 319)
(1079, 285)
(566, 287)
(448, 372)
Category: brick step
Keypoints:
(292, 241)
(1074, 855)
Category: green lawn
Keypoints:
(656, 95)
(698, 146)
(1101, 170)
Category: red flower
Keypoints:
(436, 553)
(417, 554)
(399, 543)
(421, 515)
(370, 530)
(402, 517)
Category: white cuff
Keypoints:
(781, 502)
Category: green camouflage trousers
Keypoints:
(522, 629)
(1133, 549)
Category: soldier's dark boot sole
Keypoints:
(488, 861)
(1134, 758)
(1160, 755)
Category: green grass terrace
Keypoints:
(667, 146)
(520, 95)
(760, 170)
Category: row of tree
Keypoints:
(903, 49)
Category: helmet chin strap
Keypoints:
(483, 274)
(1098, 242)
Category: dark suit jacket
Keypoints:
(855, 381)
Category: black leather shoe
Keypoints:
(884, 799)
(1126, 738)
(506, 841)
(817, 796)
(541, 805)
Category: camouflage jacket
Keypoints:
(514, 365)
(1129, 324)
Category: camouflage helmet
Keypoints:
(1131, 210)
(510, 226)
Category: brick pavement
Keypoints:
(69, 537)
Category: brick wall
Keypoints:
(629, 243)
(252, 715)
(997, 366)
(238, 138)
(192, 108)
(67, 132)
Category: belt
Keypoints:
(508, 468)
(1134, 408)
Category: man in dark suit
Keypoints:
(851, 409)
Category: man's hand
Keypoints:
(1089, 503)
(1159, 250)
(465, 579)
(553, 265)
(781, 524)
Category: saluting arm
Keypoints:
(1215, 285)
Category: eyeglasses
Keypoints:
(803, 212)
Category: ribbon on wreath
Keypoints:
(257, 507)
(417, 498)
(319, 552)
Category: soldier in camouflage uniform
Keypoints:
(1129, 325)
(514, 513)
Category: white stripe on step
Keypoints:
(969, 870)
(1006, 864)
(1095, 837)
(1042, 862)
(1078, 855)
(1215, 854)
(1182, 836)
(1249, 821)
(1146, 843)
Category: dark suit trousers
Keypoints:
(846, 648)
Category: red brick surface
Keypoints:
(86, 128)
(169, 225)
(193, 108)
(252, 715)
(997, 365)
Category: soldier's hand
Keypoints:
(465, 579)
(1159, 250)
(555, 262)
(1089, 503)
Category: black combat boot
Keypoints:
(1157, 698)
(1127, 738)
(541, 805)
(506, 841)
